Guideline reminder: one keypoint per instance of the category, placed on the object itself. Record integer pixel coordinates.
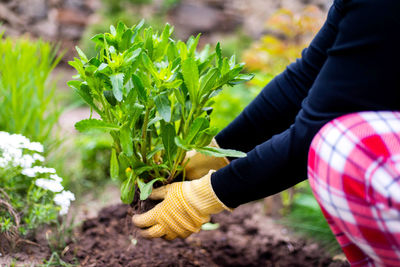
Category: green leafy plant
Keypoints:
(154, 96)
(29, 104)
(30, 194)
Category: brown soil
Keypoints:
(244, 238)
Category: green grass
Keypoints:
(29, 100)
(306, 219)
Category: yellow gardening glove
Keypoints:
(185, 208)
(199, 164)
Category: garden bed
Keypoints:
(244, 238)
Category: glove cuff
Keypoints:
(201, 196)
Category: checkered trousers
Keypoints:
(354, 171)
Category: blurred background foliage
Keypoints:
(33, 103)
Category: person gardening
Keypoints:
(331, 116)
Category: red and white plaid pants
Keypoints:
(354, 172)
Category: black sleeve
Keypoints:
(275, 108)
(360, 73)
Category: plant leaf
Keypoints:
(208, 81)
(81, 54)
(114, 166)
(137, 82)
(84, 92)
(190, 74)
(148, 64)
(134, 114)
(163, 106)
(128, 190)
(219, 152)
(126, 140)
(117, 82)
(168, 138)
(140, 170)
(146, 189)
(198, 125)
(156, 149)
(94, 124)
(108, 94)
(180, 143)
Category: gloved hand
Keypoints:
(199, 164)
(185, 208)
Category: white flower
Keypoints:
(12, 154)
(31, 172)
(38, 157)
(52, 185)
(63, 200)
(56, 178)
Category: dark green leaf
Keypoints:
(110, 97)
(198, 125)
(117, 82)
(163, 106)
(204, 137)
(208, 81)
(83, 91)
(168, 137)
(137, 82)
(218, 51)
(93, 124)
(140, 170)
(148, 43)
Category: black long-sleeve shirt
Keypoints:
(353, 64)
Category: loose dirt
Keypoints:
(244, 238)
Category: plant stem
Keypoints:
(144, 135)
(181, 156)
(188, 121)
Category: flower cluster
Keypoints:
(19, 154)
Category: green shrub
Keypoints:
(29, 105)
(30, 194)
(153, 95)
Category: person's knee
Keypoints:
(355, 151)
(374, 133)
